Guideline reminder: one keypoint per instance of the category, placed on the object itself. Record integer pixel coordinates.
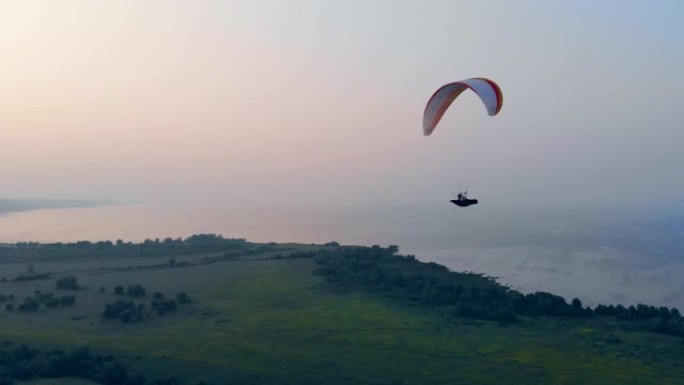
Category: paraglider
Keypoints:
(490, 95)
(462, 200)
(488, 91)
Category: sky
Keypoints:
(320, 102)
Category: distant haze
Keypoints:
(301, 121)
(274, 103)
(17, 205)
(599, 256)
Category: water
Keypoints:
(599, 256)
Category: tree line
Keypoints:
(468, 295)
(24, 363)
(20, 362)
(194, 244)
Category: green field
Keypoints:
(255, 319)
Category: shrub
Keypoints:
(30, 304)
(114, 310)
(67, 283)
(182, 298)
(136, 291)
(162, 307)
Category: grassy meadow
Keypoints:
(258, 319)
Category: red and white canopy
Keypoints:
(488, 91)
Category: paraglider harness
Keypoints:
(462, 200)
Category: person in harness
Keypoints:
(462, 200)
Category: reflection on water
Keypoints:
(606, 257)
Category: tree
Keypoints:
(576, 303)
(114, 375)
(163, 306)
(119, 290)
(30, 304)
(117, 309)
(126, 316)
(67, 283)
(182, 298)
(67, 300)
(135, 291)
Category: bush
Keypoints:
(126, 311)
(67, 283)
(30, 304)
(162, 307)
(64, 301)
(136, 291)
(182, 298)
(114, 375)
(126, 316)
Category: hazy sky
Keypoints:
(289, 102)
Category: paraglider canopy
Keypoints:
(488, 91)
